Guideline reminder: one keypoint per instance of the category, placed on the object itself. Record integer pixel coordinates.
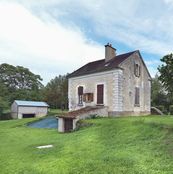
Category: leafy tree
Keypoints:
(19, 77)
(20, 82)
(3, 105)
(56, 92)
(166, 75)
(3, 98)
(158, 94)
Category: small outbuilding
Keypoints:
(27, 109)
(68, 121)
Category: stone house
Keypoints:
(27, 109)
(120, 83)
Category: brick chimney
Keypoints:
(110, 52)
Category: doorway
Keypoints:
(68, 124)
(28, 115)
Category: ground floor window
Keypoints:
(137, 96)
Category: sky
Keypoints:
(53, 37)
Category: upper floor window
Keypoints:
(137, 70)
(80, 95)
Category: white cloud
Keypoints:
(145, 25)
(153, 62)
(168, 1)
(31, 33)
(46, 48)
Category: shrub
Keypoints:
(171, 109)
(5, 116)
(93, 116)
(81, 124)
(1, 111)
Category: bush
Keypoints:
(1, 111)
(171, 109)
(81, 124)
(5, 116)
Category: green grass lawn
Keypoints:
(131, 145)
(56, 112)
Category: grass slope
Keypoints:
(133, 145)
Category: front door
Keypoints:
(100, 93)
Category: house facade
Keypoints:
(27, 109)
(121, 83)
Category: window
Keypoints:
(88, 97)
(137, 96)
(137, 70)
(80, 95)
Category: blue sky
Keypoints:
(52, 37)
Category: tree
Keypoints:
(20, 82)
(19, 77)
(3, 98)
(158, 94)
(17, 82)
(166, 75)
(56, 92)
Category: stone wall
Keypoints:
(130, 81)
(112, 95)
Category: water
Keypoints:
(49, 122)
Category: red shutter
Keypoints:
(100, 89)
(80, 90)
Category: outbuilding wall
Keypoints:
(14, 110)
(38, 111)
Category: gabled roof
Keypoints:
(101, 65)
(31, 103)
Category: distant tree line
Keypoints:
(19, 83)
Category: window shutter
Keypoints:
(80, 90)
(139, 70)
(137, 95)
(100, 94)
(134, 68)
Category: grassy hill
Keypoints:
(130, 145)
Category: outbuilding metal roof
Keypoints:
(31, 103)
